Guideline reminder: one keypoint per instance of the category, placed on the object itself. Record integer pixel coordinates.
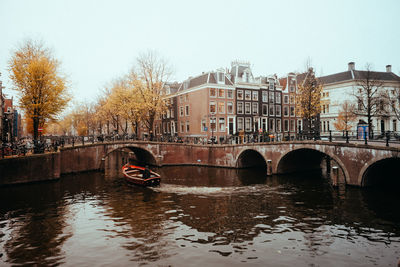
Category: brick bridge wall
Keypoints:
(353, 159)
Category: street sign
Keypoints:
(40, 129)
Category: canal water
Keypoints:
(198, 217)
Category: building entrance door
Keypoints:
(382, 126)
(231, 126)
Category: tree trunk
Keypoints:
(35, 128)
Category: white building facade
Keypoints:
(343, 86)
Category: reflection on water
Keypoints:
(198, 216)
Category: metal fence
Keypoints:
(53, 143)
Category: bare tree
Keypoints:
(392, 97)
(369, 96)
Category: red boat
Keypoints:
(140, 175)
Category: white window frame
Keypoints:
(240, 110)
(254, 108)
(239, 92)
(247, 95)
(247, 108)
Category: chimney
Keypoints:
(351, 66)
(388, 68)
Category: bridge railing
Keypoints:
(53, 143)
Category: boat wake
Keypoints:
(205, 190)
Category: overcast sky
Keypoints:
(97, 41)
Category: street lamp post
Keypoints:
(212, 129)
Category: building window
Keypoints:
(291, 99)
(168, 127)
(247, 95)
(271, 85)
(285, 99)
(255, 96)
(248, 124)
(222, 124)
(212, 92)
(172, 113)
(182, 127)
(278, 125)
(360, 104)
(230, 94)
(327, 108)
(271, 110)
(264, 109)
(221, 93)
(271, 125)
(186, 110)
(286, 125)
(255, 108)
(278, 110)
(181, 98)
(291, 125)
(271, 97)
(323, 109)
(221, 107)
(247, 108)
(203, 125)
(291, 88)
(212, 107)
(240, 124)
(278, 98)
(221, 77)
(285, 111)
(230, 107)
(327, 126)
(324, 126)
(240, 94)
(265, 96)
(292, 111)
(394, 125)
(187, 127)
(240, 107)
(186, 98)
(181, 111)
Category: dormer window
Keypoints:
(271, 85)
(247, 77)
(221, 77)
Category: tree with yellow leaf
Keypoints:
(41, 87)
(308, 99)
(346, 117)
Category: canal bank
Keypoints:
(50, 166)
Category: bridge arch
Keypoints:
(300, 159)
(375, 172)
(142, 155)
(248, 158)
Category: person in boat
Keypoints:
(146, 172)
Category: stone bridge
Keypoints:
(355, 164)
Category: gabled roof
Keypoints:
(283, 83)
(205, 78)
(358, 75)
(378, 75)
(337, 77)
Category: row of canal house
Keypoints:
(233, 102)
